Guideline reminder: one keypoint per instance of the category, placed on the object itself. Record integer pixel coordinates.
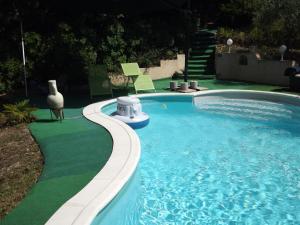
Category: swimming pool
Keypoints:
(219, 160)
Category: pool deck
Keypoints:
(76, 150)
(213, 84)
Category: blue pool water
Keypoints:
(218, 161)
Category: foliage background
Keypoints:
(62, 38)
(61, 43)
(267, 23)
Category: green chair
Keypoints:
(131, 69)
(140, 81)
(99, 81)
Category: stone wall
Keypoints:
(248, 67)
(166, 69)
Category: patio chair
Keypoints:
(141, 82)
(99, 81)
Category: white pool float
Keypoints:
(129, 110)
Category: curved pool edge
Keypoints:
(82, 208)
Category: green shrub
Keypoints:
(270, 23)
(10, 74)
(177, 75)
(3, 120)
(238, 36)
(62, 50)
(267, 52)
(113, 47)
(237, 13)
(20, 112)
(278, 21)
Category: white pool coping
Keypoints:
(83, 207)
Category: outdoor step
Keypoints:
(201, 60)
(202, 29)
(208, 30)
(201, 77)
(204, 42)
(202, 48)
(211, 41)
(209, 76)
(205, 31)
(197, 70)
(204, 35)
(203, 45)
(194, 61)
(203, 38)
(199, 56)
(199, 66)
(199, 74)
(202, 51)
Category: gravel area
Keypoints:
(21, 164)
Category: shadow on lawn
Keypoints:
(45, 121)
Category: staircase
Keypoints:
(201, 60)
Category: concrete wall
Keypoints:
(166, 69)
(259, 71)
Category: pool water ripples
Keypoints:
(220, 161)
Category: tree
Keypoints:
(278, 21)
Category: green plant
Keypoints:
(237, 13)
(20, 112)
(278, 21)
(114, 45)
(3, 119)
(10, 74)
(268, 52)
(177, 75)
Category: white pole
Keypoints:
(24, 59)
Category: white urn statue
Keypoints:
(55, 100)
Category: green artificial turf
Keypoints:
(74, 151)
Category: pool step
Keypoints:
(245, 108)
